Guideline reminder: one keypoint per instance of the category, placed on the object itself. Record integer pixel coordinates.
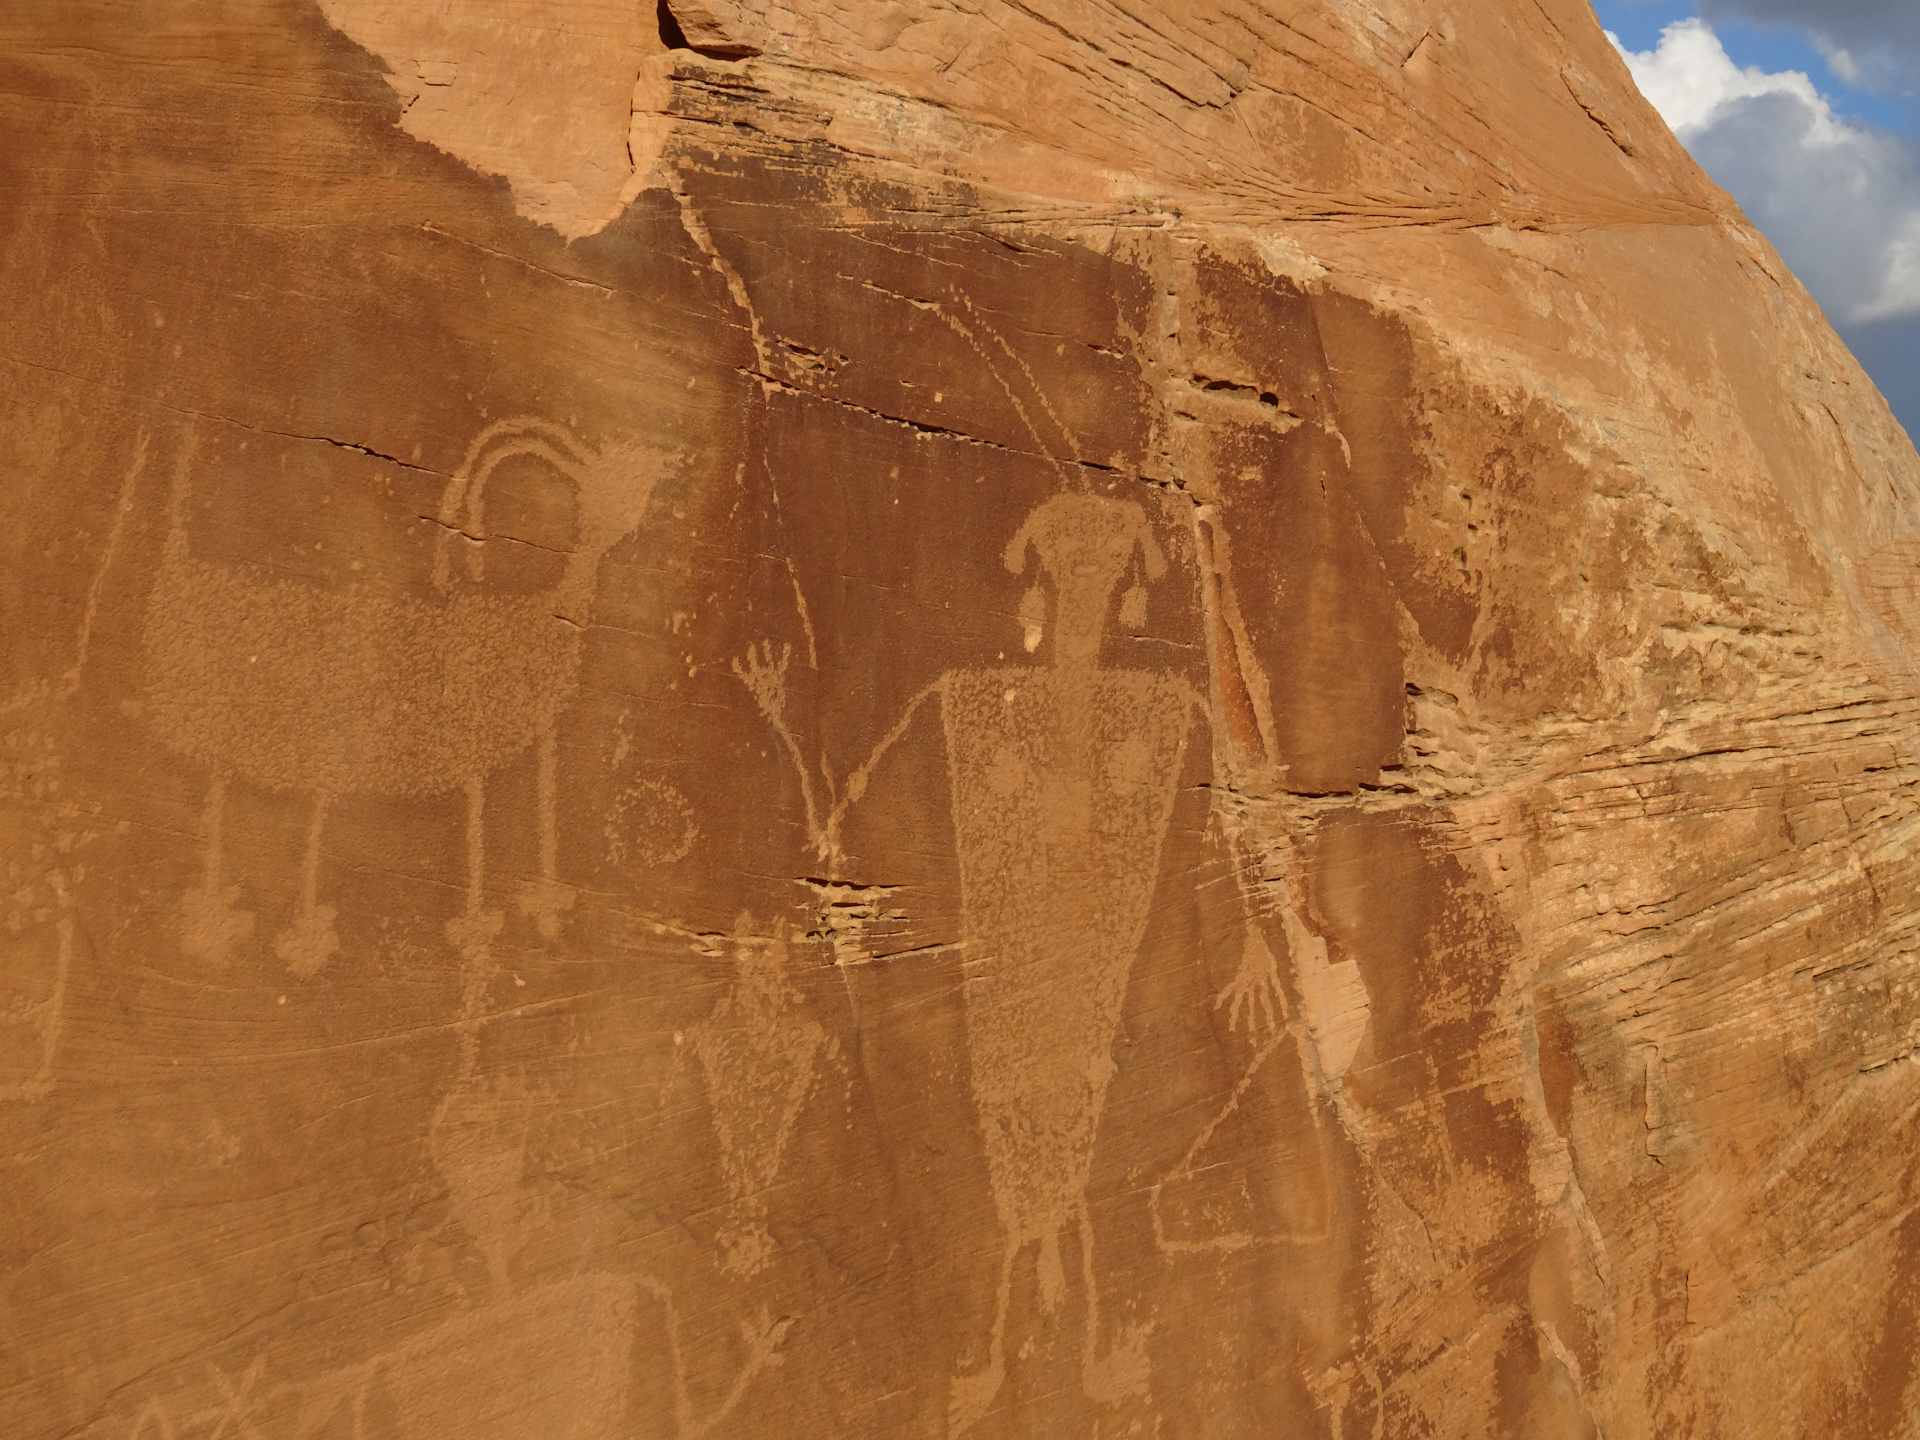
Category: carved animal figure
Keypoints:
(334, 692)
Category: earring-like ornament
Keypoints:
(1033, 617)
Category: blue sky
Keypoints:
(1808, 112)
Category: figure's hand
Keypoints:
(763, 670)
(1253, 997)
(764, 665)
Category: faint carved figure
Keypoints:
(33, 994)
(550, 1359)
(1247, 756)
(759, 1059)
(553, 1359)
(336, 692)
(1063, 777)
(231, 1415)
(44, 834)
(1325, 1037)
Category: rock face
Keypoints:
(1007, 718)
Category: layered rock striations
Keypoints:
(995, 718)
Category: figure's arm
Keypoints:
(1254, 998)
(763, 671)
(862, 774)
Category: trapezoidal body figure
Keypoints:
(1062, 779)
(328, 693)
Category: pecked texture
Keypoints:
(996, 717)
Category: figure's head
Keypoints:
(1086, 544)
(613, 486)
(762, 988)
(616, 485)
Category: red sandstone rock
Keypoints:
(903, 720)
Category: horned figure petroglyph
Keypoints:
(329, 693)
(1063, 777)
(759, 1059)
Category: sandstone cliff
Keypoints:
(997, 717)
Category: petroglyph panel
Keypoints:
(876, 724)
(332, 693)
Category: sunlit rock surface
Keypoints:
(1008, 718)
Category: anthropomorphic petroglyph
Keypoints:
(759, 1058)
(548, 1358)
(1062, 776)
(1334, 1009)
(332, 693)
(552, 1358)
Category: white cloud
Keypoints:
(1690, 77)
(1842, 202)
(1843, 63)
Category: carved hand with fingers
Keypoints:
(763, 670)
(1254, 1000)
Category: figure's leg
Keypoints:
(210, 923)
(1120, 1371)
(546, 899)
(763, 1337)
(308, 943)
(971, 1396)
(682, 1404)
(474, 929)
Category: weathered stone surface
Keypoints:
(909, 719)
